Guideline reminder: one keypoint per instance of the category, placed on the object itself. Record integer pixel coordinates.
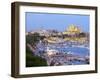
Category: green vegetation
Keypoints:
(33, 38)
(32, 60)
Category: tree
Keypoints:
(32, 60)
(33, 38)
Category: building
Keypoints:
(72, 30)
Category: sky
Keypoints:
(60, 22)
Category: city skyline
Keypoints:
(59, 22)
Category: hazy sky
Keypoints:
(58, 22)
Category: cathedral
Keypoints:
(72, 30)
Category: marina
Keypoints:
(70, 47)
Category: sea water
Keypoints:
(81, 51)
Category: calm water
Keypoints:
(77, 50)
(81, 51)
